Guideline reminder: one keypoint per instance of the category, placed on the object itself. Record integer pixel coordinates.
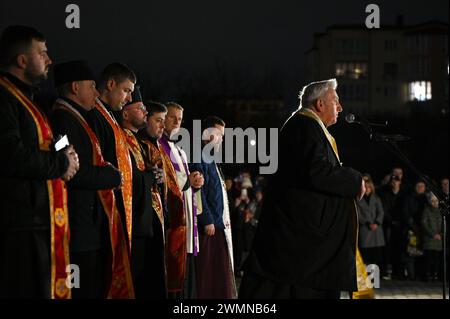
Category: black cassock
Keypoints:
(89, 241)
(24, 201)
(147, 249)
(107, 140)
(306, 235)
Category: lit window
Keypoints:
(353, 70)
(358, 71)
(420, 91)
(341, 68)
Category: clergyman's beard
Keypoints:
(140, 125)
(35, 79)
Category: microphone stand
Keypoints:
(390, 142)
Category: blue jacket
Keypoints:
(212, 197)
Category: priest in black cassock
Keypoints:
(32, 193)
(89, 241)
(306, 241)
(147, 244)
(115, 86)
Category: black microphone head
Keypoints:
(350, 118)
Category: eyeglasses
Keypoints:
(140, 107)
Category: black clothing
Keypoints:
(107, 140)
(306, 234)
(25, 170)
(94, 269)
(257, 287)
(24, 200)
(392, 228)
(413, 208)
(105, 134)
(143, 211)
(90, 239)
(147, 250)
(88, 220)
(148, 264)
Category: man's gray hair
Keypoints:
(313, 91)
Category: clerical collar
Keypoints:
(169, 139)
(153, 140)
(134, 133)
(28, 90)
(116, 115)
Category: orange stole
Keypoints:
(124, 165)
(135, 148)
(121, 281)
(57, 193)
(176, 233)
(155, 160)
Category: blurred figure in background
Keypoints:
(391, 196)
(413, 207)
(432, 237)
(371, 235)
(214, 263)
(444, 186)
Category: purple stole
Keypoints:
(164, 142)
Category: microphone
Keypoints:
(351, 118)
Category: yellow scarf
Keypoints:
(308, 113)
(364, 291)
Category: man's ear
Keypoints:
(207, 135)
(74, 87)
(124, 114)
(318, 105)
(21, 61)
(110, 84)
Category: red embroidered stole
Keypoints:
(135, 148)
(121, 285)
(57, 193)
(124, 165)
(176, 249)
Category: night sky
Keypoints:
(168, 40)
(178, 46)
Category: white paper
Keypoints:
(63, 142)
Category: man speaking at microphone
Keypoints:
(306, 243)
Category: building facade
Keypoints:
(394, 69)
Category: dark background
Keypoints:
(201, 53)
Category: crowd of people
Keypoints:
(245, 196)
(401, 227)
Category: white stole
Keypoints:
(182, 177)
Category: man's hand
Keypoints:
(210, 230)
(362, 191)
(437, 237)
(373, 227)
(122, 179)
(74, 164)
(118, 173)
(196, 179)
(248, 215)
